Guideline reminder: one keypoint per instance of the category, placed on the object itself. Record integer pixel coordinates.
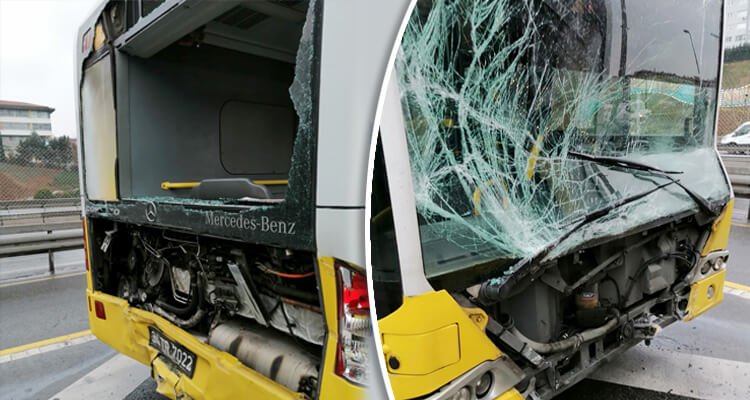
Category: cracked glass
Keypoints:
(503, 101)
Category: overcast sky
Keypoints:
(37, 54)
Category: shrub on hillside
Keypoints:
(43, 194)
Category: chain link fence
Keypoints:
(734, 103)
(38, 168)
(732, 117)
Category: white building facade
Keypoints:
(18, 120)
(736, 29)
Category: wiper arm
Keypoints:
(494, 290)
(635, 165)
(620, 162)
(497, 289)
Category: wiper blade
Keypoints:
(494, 290)
(498, 289)
(620, 162)
(635, 165)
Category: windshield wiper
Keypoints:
(620, 162)
(494, 290)
(638, 166)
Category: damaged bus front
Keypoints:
(224, 240)
(547, 191)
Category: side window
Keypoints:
(99, 134)
(386, 272)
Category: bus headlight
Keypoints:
(483, 385)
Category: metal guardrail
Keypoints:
(738, 168)
(41, 242)
(734, 149)
(40, 203)
(40, 226)
(23, 216)
(31, 228)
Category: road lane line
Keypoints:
(689, 375)
(740, 225)
(45, 346)
(737, 289)
(737, 286)
(737, 292)
(113, 380)
(24, 281)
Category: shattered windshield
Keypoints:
(497, 95)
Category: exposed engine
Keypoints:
(237, 296)
(571, 313)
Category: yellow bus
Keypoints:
(546, 191)
(224, 148)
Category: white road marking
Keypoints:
(678, 373)
(737, 292)
(25, 280)
(46, 348)
(112, 380)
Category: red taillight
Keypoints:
(354, 324)
(355, 297)
(85, 244)
(99, 310)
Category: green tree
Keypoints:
(739, 53)
(31, 150)
(59, 153)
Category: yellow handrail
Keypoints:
(187, 185)
(272, 182)
(179, 185)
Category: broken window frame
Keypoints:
(198, 217)
(485, 258)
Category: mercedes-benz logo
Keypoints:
(151, 211)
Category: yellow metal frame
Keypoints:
(719, 237)
(439, 323)
(709, 292)
(218, 375)
(705, 294)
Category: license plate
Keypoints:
(181, 357)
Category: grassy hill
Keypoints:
(736, 74)
(19, 182)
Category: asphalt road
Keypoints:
(53, 306)
(41, 310)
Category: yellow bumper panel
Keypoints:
(719, 237)
(705, 294)
(511, 394)
(431, 340)
(218, 375)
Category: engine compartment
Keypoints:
(258, 303)
(575, 312)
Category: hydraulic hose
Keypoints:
(187, 316)
(196, 288)
(571, 342)
(182, 323)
